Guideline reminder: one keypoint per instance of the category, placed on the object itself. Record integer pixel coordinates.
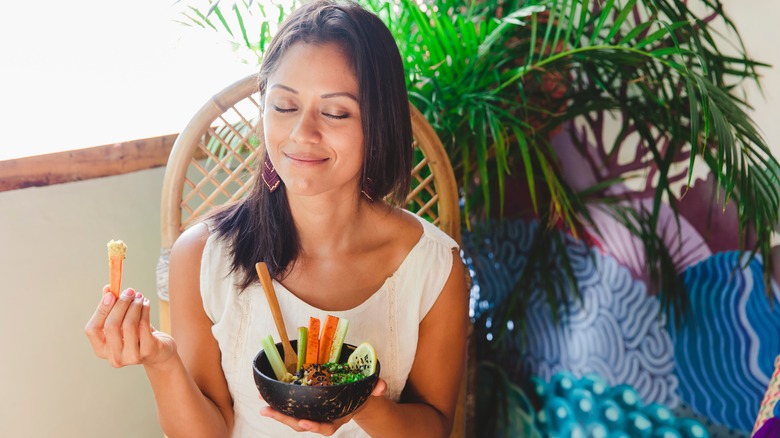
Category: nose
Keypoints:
(306, 129)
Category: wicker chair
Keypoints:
(213, 162)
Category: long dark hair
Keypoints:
(260, 227)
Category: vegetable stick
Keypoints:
(326, 339)
(338, 340)
(303, 338)
(273, 357)
(117, 251)
(312, 344)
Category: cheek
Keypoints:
(274, 130)
(357, 155)
(360, 147)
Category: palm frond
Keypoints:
(669, 78)
(248, 24)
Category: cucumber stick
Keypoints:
(303, 337)
(338, 340)
(273, 357)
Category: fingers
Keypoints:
(120, 330)
(278, 416)
(131, 348)
(145, 329)
(146, 332)
(379, 388)
(113, 328)
(376, 397)
(94, 327)
(296, 424)
(326, 429)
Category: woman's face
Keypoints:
(311, 117)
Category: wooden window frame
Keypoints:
(84, 164)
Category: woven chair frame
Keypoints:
(214, 160)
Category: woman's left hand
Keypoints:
(326, 429)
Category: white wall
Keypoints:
(756, 21)
(53, 265)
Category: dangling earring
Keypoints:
(368, 189)
(269, 175)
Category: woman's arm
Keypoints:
(186, 376)
(430, 397)
(190, 389)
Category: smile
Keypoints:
(305, 159)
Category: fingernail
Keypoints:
(108, 299)
(138, 295)
(129, 293)
(146, 301)
(304, 425)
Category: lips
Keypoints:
(305, 158)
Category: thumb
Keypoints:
(380, 388)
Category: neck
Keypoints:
(329, 226)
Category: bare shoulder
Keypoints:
(388, 238)
(186, 256)
(403, 225)
(191, 240)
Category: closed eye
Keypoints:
(335, 116)
(283, 110)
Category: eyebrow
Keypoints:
(324, 96)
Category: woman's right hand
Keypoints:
(121, 332)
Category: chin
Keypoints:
(304, 191)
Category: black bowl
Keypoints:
(316, 403)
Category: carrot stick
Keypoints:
(312, 343)
(117, 251)
(328, 330)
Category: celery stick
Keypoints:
(303, 337)
(338, 340)
(273, 357)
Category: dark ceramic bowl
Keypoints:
(316, 403)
